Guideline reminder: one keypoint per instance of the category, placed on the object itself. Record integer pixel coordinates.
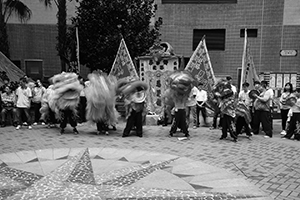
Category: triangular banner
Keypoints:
(248, 74)
(123, 65)
(11, 70)
(200, 67)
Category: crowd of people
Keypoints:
(238, 113)
(70, 99)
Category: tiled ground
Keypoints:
(270, 164)
(110, 173)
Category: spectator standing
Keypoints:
(233, 88)
(201, 99)
(37, 92)
(24, 96)
(284, 106)
(191, 107)
(243, 111)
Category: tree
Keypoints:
(61, 15)
(102, 23)
(7, 9)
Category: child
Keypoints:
(293, 119)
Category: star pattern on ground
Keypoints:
(75, 179)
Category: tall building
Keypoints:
(273, 26)
(33, 44)
(273, 33)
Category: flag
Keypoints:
(77, 50)
(201, 69)
(248, 70)
(74, 64)
(123, 66)
(9, 69)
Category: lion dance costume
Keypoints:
(101, 97)
(134, 93)
(227, 108)
(180, 86)
(63, 99)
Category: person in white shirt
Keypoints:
(284, 106)
(243, 111)
(24, 96)
(201, 99)
(191, 107)
(233, 88)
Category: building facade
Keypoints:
(33, 44)
(273, 25)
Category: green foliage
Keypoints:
(102, 23)
(7, 8)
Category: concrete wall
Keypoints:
(277, 22)
(267, 16)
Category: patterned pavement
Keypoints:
(270, 164)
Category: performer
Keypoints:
(180, 88)
(65, 99)
(134, 92)
(227, 108)
(101, 97)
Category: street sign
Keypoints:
(286, 53)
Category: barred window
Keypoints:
(215, 38)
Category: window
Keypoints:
(250, 33)
(199, 1)
(34, 68)
(215, 38)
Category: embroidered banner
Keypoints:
(200, 67)
(123, 65)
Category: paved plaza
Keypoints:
(39, 164)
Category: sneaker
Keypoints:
(267, 136)
(283, 132)
(106, 133)
(18, 127)
(35, 123)
(25, 123)
(43, 123)
(29, 127)
(194, 127)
